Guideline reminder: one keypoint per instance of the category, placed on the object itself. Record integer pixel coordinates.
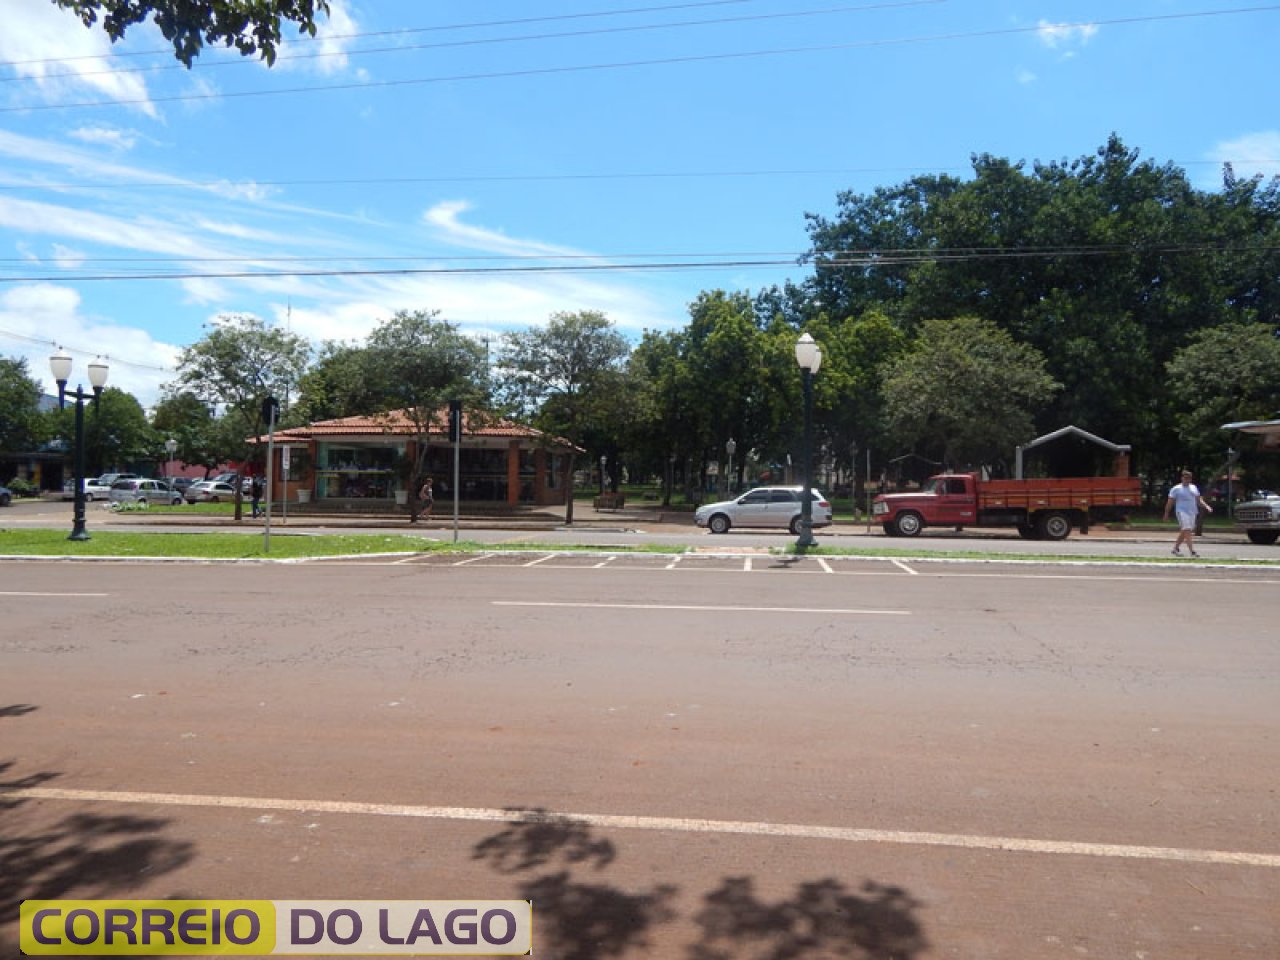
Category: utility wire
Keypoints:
(861, 259)
(402, 48)
(402, 31)
(632, 64)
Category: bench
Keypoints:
(609, 501)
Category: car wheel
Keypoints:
(88, 497)
(1053, 525)
(213, 500)
(4, 500)
(719, 524)
(1263, 537)
(794, 525)
(909, 524)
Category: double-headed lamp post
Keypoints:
(729, 448)
(60, 365)
(809, 356)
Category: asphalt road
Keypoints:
(696, 758)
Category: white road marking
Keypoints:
(902, 566)
(534, 563)
(695, 608)
(746, 564)
(675, 560)
(605, 562)
(34, 593)
(482, 556)
(826, 567)
(668, 824)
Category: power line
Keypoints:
(402, 48)
(853, 259)
(404, 31)
(60, 345)
(632, 64)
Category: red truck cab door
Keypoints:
(956, 501)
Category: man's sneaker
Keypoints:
(1194, 554)
(1177, 552)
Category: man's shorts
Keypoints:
(1186, 521)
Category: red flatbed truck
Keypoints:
(1040, 509)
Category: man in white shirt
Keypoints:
(1186, 502)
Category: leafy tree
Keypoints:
(236, 365)
(20, 421)
(251, 26)
(116, 432)
(417, 363)
(340, 384)
(564, 373)
(185, 418)
(966, 392)
(1224, 374)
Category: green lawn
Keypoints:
(226, 546)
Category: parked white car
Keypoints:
(94, 489)
(763, 507)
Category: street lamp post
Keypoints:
(170, 447)
(60, 365)
(809, 357)
(603, 462)
(730, 448)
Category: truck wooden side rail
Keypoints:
(1038, 508)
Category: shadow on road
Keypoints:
(579, 916)
(82, 855)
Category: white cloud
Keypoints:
(121, 140)
(39, 317)
(326, 52)
(1253, 153)
(1026, 77)
(56, 57)
(1057, 36)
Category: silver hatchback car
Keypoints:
(763, 507)
(151, 492)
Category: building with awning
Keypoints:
(364, 462)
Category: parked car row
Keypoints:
(131, 488)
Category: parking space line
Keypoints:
(463, 563)
(826, 567)
(36, 593)
(534, 563)
(698, 608)
(675, 560)
(746, 564)
(902, 566)
(605, 562)
(791, 831)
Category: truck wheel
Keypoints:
(719, 524)
(909, 524)
(1026, 531)
(1263, 537)
(1053, 525)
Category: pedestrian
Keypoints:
(1185, 501)
(426, 498)
(255, 493)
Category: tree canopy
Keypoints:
(253, 28)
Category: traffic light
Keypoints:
(455, 421)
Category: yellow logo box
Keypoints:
(158, 928)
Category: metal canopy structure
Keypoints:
(1268, 430)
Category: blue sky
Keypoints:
(414, 153)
